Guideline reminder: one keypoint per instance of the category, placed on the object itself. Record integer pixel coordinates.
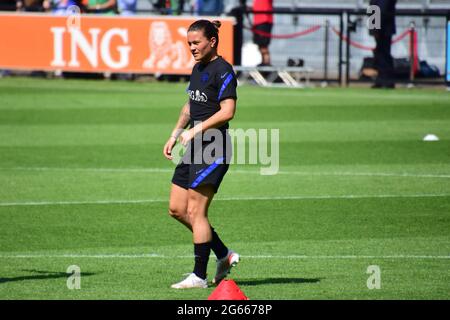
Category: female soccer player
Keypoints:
(211, 104)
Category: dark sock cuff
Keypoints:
(202, 249)
(201, 252)
(217, 246)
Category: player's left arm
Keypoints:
(225, 114)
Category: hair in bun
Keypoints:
(216, 23)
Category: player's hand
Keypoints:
(186, 136)
(167, 151)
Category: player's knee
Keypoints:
(176, 212)
(196, 214)
(192, 211)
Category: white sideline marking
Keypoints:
(161, 256)
(324, 197)
(368, 174)
(170, 170)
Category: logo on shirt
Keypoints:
(204, 77)
(223, 75)
(197, 96)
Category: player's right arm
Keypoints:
(182, 123)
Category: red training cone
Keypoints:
(227, 290)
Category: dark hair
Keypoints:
(210, 28)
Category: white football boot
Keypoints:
(192, 281)
(224, 266)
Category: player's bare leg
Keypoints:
(178, 204)
(197, 210)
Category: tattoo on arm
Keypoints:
(185, 116)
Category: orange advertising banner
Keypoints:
(92, 43)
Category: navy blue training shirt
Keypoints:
(209, 84)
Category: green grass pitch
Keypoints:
(83, 182)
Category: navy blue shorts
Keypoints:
(190, 176)
(203, 168)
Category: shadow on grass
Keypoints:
(256, 282)
(42, 275)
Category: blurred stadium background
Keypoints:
(325, 50)
(83, 181)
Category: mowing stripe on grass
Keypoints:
(130, 170)
(287, 91)
(322, 197)
(161, 256)
(302, 173)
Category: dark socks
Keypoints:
(201, 252)
(217, 246)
